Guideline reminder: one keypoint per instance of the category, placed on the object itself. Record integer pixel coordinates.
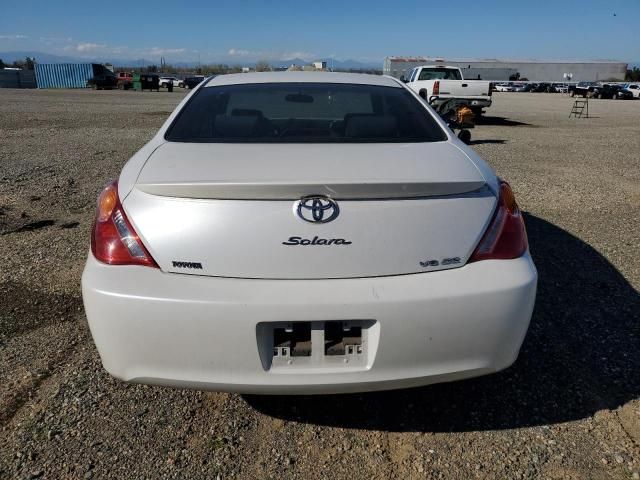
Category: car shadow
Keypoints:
(581, 354)
(500, 121)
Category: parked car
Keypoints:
(124, 80)
(595, 90)
(271, 275)
(192, 82)
(583, 89)
(541, 87)
(438, 84)
(503, 87)
(634, 88)
(166, 81)
(608, 90)
(623, 93)
(522, 87)
(559, 88)
(103, 81)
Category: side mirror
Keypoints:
(403, 80)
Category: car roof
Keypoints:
(302, 77)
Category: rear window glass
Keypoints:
(439, 74)
(304, 113)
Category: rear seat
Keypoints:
(370, 126)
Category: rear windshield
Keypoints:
(439, 74)
(304, 113)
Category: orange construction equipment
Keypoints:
(465, 116)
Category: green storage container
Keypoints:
(146, 81)
(136, 85)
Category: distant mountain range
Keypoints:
(42, 57)
(8, 57)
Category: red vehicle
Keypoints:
(125, 80)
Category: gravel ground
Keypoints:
(568, 409)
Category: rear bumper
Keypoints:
(482, 102)
(203, 332)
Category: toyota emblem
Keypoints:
(317, 209)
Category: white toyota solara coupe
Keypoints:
(299, 232)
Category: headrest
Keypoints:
(246, 112)
(370, 126)
(235, 125)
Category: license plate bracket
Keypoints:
(285, 346)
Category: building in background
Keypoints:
(503, 70)
(400, 66)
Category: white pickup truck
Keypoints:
(439, 83)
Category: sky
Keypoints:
(244, 31)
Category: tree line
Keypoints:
(222, 68)
(633, 75)
(27, 64)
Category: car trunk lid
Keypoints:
(231, 210)
(348, 171)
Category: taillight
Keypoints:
(506, 236)
(113, 239)
(436, 87)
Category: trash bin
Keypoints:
(136, 83)
(149, 82)
(145, 81)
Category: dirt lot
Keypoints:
(568, 409)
